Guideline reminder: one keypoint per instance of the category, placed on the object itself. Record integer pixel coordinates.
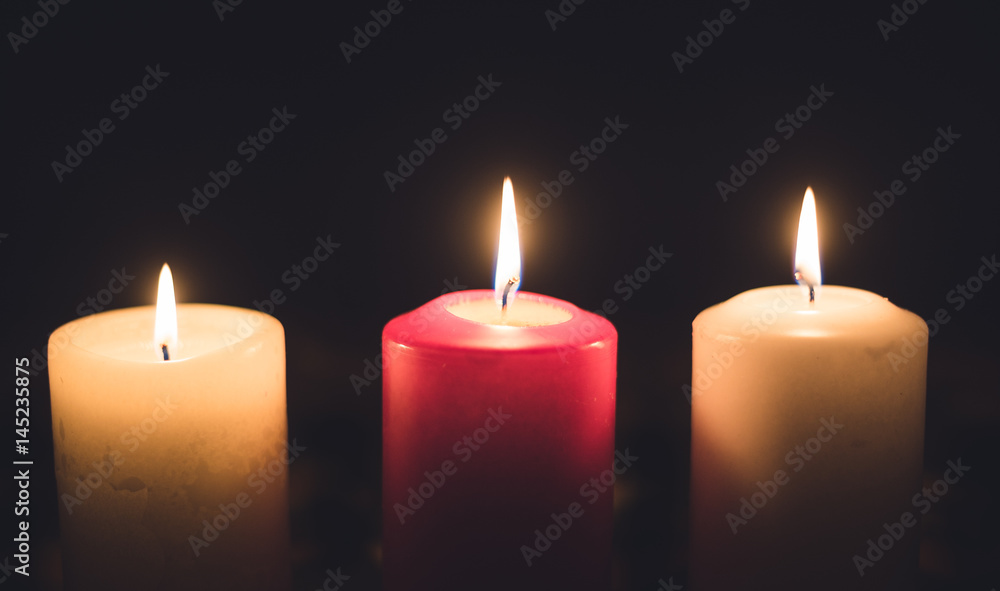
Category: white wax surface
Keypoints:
(126, 336)
(523, 312)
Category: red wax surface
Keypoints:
(481, 489)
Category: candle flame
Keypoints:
(165, 329)
(508, 276)
(807, 267)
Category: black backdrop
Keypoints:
(888, 93)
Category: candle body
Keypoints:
(806, 438)
(489, 431)
(171, 475)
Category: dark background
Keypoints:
(655, 185)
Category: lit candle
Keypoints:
(498, 413)
(806, 433)
(170, 448)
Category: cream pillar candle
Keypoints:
(171, 474)
(806, 437)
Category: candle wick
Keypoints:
(506, 290)
(166, 352)
(503, 299)
(799, 278)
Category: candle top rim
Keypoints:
(527, 312)
(125, 334)
(782, 310)
(433, 326)
(467, 296)
(842, 298)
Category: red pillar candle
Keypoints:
(497, 426)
